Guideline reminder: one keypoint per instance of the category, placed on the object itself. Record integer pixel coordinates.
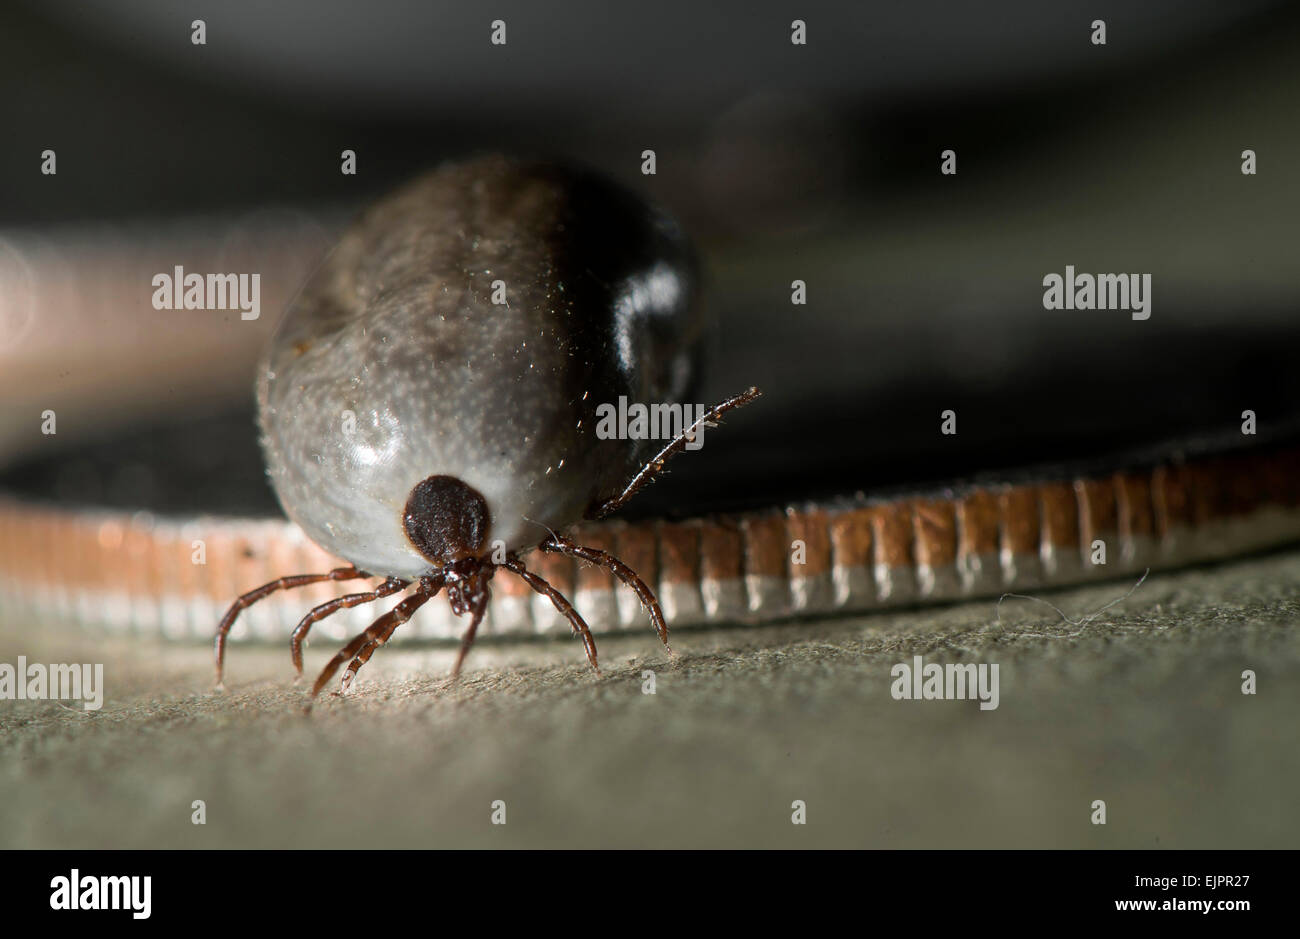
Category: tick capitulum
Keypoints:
(429, 400)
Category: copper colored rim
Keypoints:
(173, 578)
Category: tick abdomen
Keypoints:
(429, 403)
(469, 326)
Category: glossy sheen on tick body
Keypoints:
(397, 333)
(428, 403)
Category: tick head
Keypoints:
(446, 520)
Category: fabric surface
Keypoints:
(1141, 708)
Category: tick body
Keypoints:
(428, 403)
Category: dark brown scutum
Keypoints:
(445, 519)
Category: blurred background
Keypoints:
(816, 162)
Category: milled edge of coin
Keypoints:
(141, 574)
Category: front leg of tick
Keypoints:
(561, 603)
(472, 598)
(655, 466)
(561, 545)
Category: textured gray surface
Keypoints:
(1142, 708)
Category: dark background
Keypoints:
(817, 162)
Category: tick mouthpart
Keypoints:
(446, 520)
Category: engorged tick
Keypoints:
(434, 459)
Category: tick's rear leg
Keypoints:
(560, 545)
(562, 604)
(330, 607)
(283, 583)
(376, 634)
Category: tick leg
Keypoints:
(284, 583)
(653, 468)
(478, 602)
(377, 634)
(560, 545)
(368, 649)
(539, 584)
(329, 607)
